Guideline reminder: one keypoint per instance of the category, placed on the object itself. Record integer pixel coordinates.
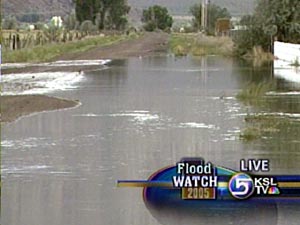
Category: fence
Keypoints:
(14, 40)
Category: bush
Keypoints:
(87, 26)
(252, 35)
(150, 26)
(157, 17)
(272, 19)
(70, 22)
(214, 13)
(10, 23)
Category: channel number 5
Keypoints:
(241, 186)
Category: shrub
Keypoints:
(157, 17)
(10, 23)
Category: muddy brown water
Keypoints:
(138, 116)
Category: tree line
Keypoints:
(111, 14)
(272, 20)
(105, 14)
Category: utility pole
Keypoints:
(204, 14)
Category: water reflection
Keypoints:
(136, 116)
(279, 114)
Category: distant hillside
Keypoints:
(49, 8)
(181, 7)
(46, 8)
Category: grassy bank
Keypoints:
(50, 51)
(199, 45)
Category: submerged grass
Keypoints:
(262, 125)
(258, 125)
(199, 45)
(296, 63)
(50, 51)
(250, 134)
(254, 92)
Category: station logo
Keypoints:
(243, 186)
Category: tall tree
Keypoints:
(214, 12)
(117, 11)
(272, 19)
(280, 18)
(157, 17)
(104, 13)
(86, 9)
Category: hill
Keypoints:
(45, 8)
(180, 7)
(48, 8)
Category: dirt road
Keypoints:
(147, 44)
(13, 107)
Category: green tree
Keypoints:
(214, 12)
(10, 23)
(71, 22)
(87, 9)
(157, 17)
(272, 19)
(109, 14)
(280, 18)
(251, 34)
(116, 16)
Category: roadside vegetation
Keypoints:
(262, 28)
(200, 45)
(198, 40)
(50, 51)
(214, 12)
(157, 18)
(30, 38)
(93, 24)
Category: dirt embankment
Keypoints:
(13, 107)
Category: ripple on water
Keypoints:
(39, 83)
(61, 63)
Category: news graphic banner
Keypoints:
(194, 180)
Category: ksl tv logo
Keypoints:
(243, 186)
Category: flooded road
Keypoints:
(137, 116)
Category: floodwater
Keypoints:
(137, 116)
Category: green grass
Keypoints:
(263, 125)
(50, 51)
(250, 134)
(198, 45)
(254, 92)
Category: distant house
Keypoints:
(236, 28)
